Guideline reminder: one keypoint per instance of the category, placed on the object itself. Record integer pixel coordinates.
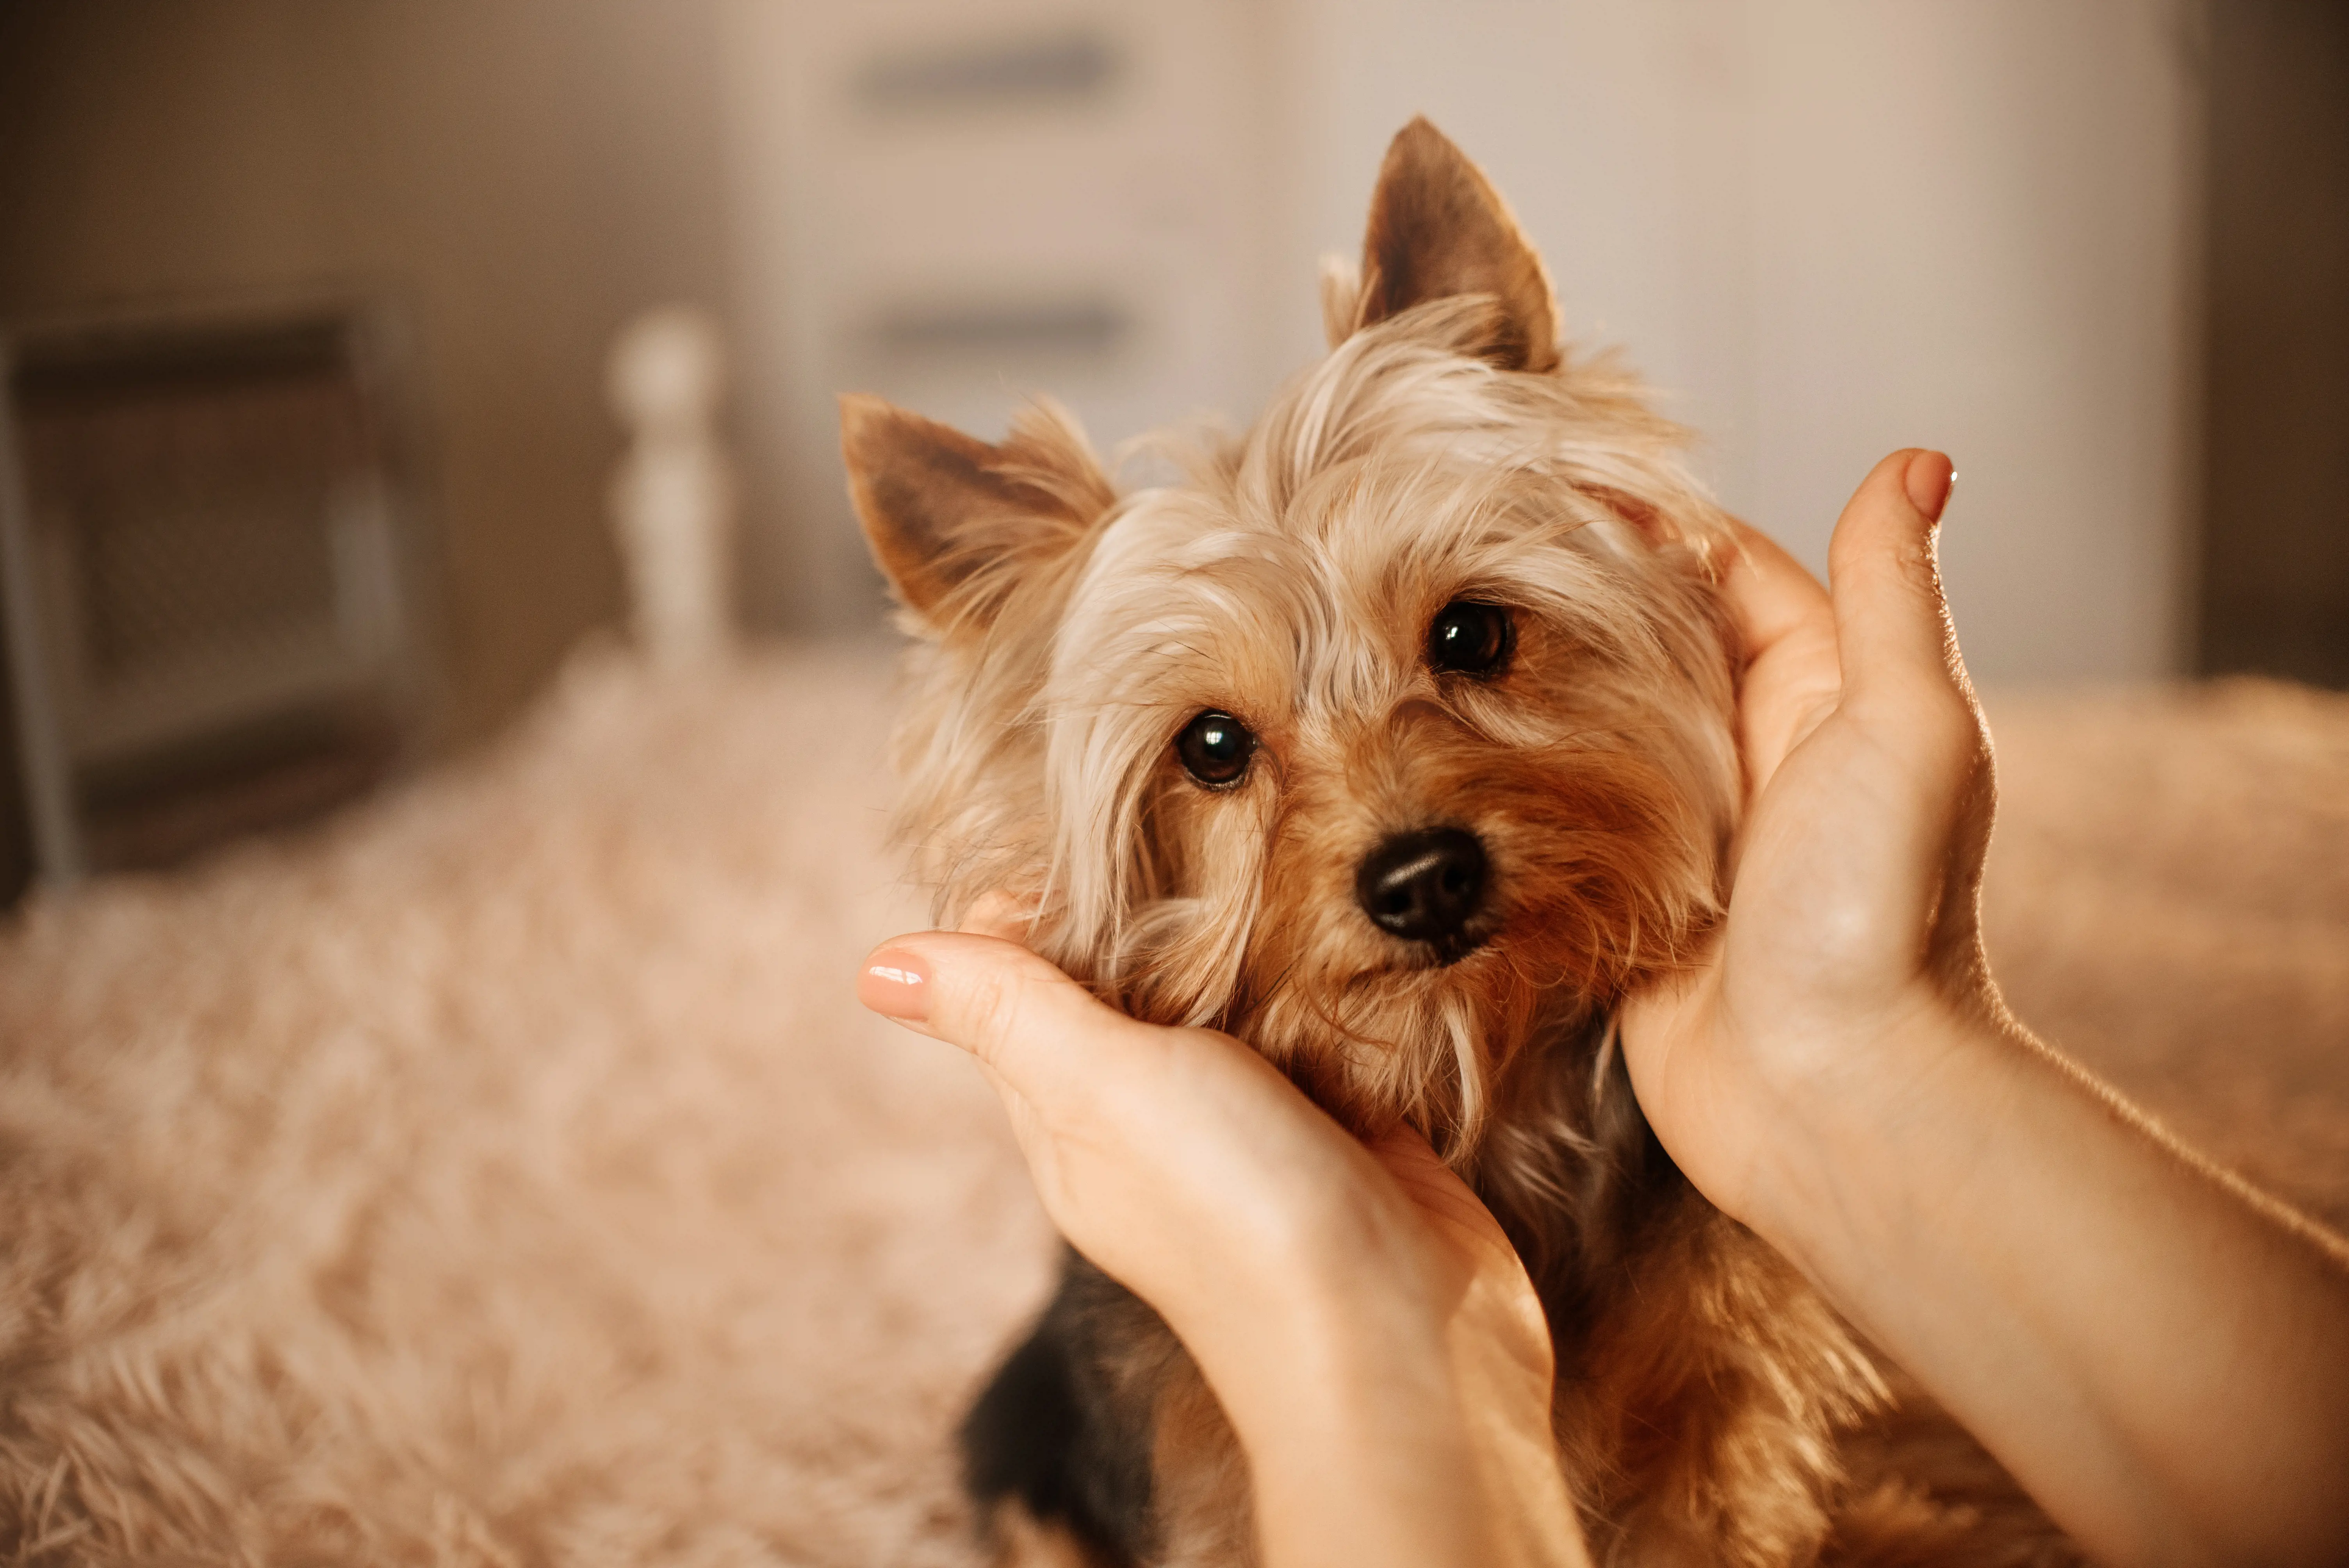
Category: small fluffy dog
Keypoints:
(1395, 741)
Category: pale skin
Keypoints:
(2160, 1357)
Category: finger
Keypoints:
(1037, 1029)
(1404, 1150)
(1407, 1155)
(1770, 595)
(1471, 1234)
(1000, 914)
(1791, 677)
(1892, 625)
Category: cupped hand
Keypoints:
(1172, 1157)
(1840, 1072)
(1334, 1293)
(1855, 873)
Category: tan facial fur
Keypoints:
(1291, 582)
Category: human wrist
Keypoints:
(1873, 1100)
(1408, 1413)
(1406, 1457)
(1354, 1419)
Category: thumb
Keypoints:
(1031, 1025)
(1892, 626)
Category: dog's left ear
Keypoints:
(1439, 229)
(954, 523)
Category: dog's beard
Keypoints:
(1606, 876)
(1421, 1043)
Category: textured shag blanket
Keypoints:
(505, 1174)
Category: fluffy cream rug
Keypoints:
(504, 1175)
(2169, 902)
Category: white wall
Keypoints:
(1825, 228)
(1138, 202)
(1984, 245)
(1830, 228)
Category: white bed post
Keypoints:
(673, 497)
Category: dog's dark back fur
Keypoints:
(1064, 1430)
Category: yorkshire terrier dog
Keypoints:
(1396, 740)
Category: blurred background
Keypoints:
(308, 312)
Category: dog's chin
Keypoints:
(1445, 955)
(1419, 959)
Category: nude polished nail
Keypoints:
(895, 983)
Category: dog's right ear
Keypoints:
(954, 523)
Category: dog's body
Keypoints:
(1397, 742)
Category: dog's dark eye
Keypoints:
(1215, 748)
(1469, 639)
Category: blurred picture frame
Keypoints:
(208, 536)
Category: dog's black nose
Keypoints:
(1425, 886)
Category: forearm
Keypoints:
(1382, 1428)
(1358, 1460)
(2044, 1263)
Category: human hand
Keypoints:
(1852, 914)
(1359, 1312)
(1840, 1072)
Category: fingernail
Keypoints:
(896, 985)
(1929, 480)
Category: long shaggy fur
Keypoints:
(1291, 581)
(1447, 450)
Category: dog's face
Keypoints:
(1395, 740)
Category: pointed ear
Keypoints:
(1438, 229)
(954, 523)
